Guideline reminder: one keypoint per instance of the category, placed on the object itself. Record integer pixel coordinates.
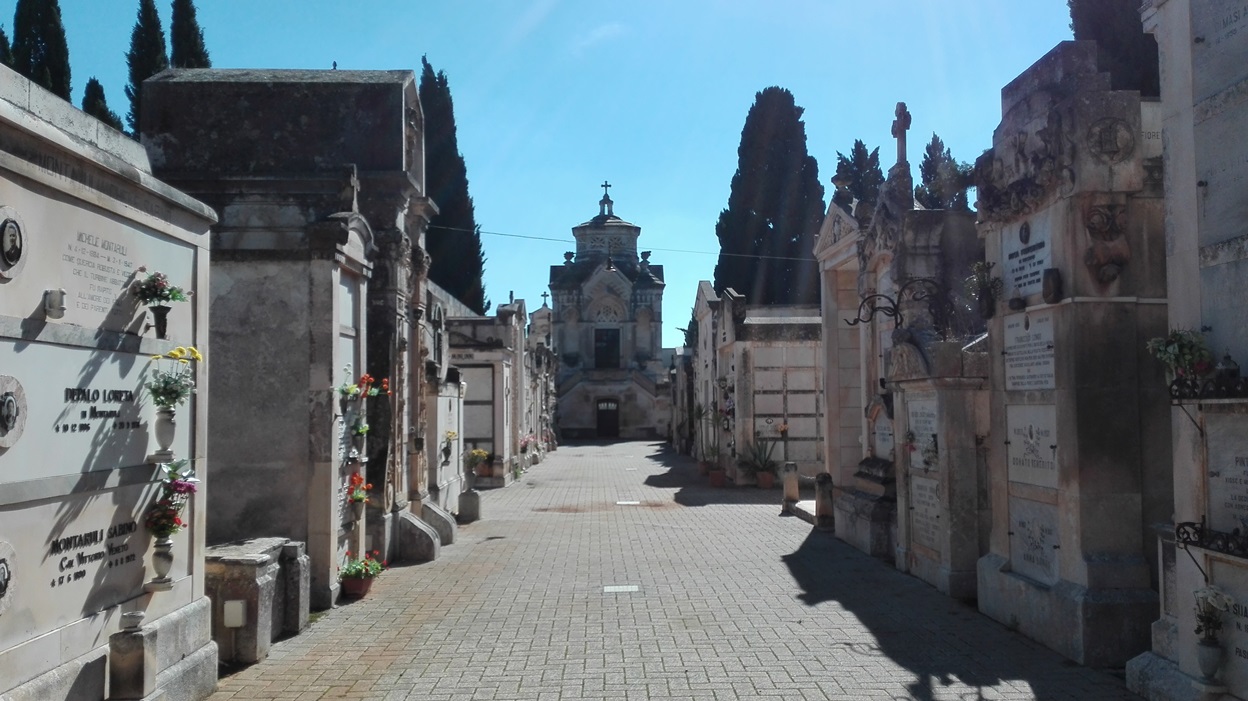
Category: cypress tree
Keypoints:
(1126, 51)
(943, 180)
(454, 238)
(858, 177)
(95, 104)
(186, 38)
(39, 49)
(145, 58)
(6, 52)
(775, 206)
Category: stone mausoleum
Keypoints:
(608, 331)
(84, 611)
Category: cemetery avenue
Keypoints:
(717, 597)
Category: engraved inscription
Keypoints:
(1029, 351)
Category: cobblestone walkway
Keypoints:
(562, 593)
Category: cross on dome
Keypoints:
(605, 204)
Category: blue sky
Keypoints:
(554, 96)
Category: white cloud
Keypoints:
(598, 35)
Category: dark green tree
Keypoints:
(858, 176)
(39, 49)
(454, 239)
(145, 58)
(775, 206)
(6, 51)
(95, 104)
(943, 180)
(186, 38)
(1126, 51)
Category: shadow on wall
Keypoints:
(939, 640)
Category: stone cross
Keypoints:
(900, 126)
(544, 296)
(605, 186)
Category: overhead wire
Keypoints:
(649, 248)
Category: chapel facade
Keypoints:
(607, 328)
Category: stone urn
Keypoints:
(164, 429)
(162, 564)
(1208, 658)
(357, 509)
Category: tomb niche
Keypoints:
(1070, 213)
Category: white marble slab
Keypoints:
(1032, 451)
(1029, 351)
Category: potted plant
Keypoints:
(982, 287)
(756, 459)
(170, 388)
(357, 575)
(154, 290)
(716, 472)
(479, 461)
(357, 495)
(164, 517)
(366, 386)
(1186, 357)
(1211, 602)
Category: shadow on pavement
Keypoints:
(692, 489)
(937, 638)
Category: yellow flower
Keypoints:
(177, 353)
(184, 361)
(195, 354)
(158, 357)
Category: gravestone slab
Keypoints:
(882, 439)
(1227, 438)
(1218, 60)
(924, 422)
(1029, 351)
(76, 556)
(925, 524)
(1232, 578)
(1026, 250)
(1032, 449)
(1034, 540)
(89, 411)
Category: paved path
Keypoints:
(732, 602)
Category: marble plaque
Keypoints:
(882, 440)
(1034, 540)
(1029, 351)
(75, 556)
(924, 422)
(86, 410)
(1219, 60)
(925, 512)
(1227, 438)
(1032, 451)
(1231, 576)
(94, 258)
(1025, 252)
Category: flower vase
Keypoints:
(160, 318)
(164, 428)
(1208, 658)
(356, 587)
(357, 510)
(162, 563)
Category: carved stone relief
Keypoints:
(1110, 251)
